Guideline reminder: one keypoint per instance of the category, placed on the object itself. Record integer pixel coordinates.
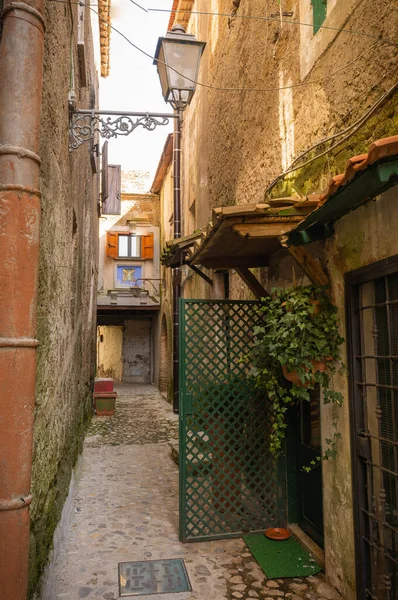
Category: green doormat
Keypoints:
(281, 559)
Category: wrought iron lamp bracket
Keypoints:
(84, 125)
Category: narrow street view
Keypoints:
(126, 509)
(199, 299)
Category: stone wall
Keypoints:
(236, 143)
(67, 284)
(144, 209)
(109, 352)
(137, 351)
(166, 328)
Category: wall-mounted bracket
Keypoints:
(310, 265)
(252, 282)
(85, 124)
(202, 275)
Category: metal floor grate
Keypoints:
(147, 577)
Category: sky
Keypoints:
(133, 83)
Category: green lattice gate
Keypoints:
(228, 477)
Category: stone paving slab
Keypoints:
(126, 509)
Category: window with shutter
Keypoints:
(125, 245)
(319, 10)
(81, 52)
(147, 246)
(111, 244)
(112, 204)
(129, 246)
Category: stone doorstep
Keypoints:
(175, 452)
(302, 538)
(308, 544)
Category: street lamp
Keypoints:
(177, 59)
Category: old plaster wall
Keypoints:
(144, 209)
(362, 237)
(137, 351)
(235, 143)
(109, 352)
(166, 318)
(67, 284)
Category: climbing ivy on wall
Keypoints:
(299, 341)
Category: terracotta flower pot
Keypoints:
(104, 403)
(293, 376)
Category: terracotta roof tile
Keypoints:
(355, 164)
(173, 14)
(104, 14)
(180, 17)
(380, 149)
(164, 162)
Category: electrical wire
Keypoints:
(250, 17)
(139, 6)
(270, 19)
(226, 89)
(340, 133)
(351, 130)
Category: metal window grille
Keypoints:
(375, 398)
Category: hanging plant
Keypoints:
(300, 342)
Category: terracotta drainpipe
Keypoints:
(21, 66)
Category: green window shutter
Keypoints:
(319, 9)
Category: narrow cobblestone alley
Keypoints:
(126, 509)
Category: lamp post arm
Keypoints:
(84, 124)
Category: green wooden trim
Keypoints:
(319, 11)
(228, 475)
(282, 489)
(220, 302)
(292, 441)
(365, 186)
(181, 438)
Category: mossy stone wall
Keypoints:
(67, 286)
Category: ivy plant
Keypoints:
(299, 326)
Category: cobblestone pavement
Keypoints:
(126, 509)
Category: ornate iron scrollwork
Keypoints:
(84, 125)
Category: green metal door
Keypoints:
(310, 484)
(228, 476)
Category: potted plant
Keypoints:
(298, 341)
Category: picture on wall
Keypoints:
(128, 276)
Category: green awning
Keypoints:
(366, 185)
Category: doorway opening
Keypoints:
(303, 443)
(165, 365)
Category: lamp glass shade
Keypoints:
(178, 61)
(185, 59)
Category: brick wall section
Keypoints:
(67, 284)
(165, 357)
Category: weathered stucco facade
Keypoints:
(237, 145)
(67, 281)
(163, 185)
(128, 312)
